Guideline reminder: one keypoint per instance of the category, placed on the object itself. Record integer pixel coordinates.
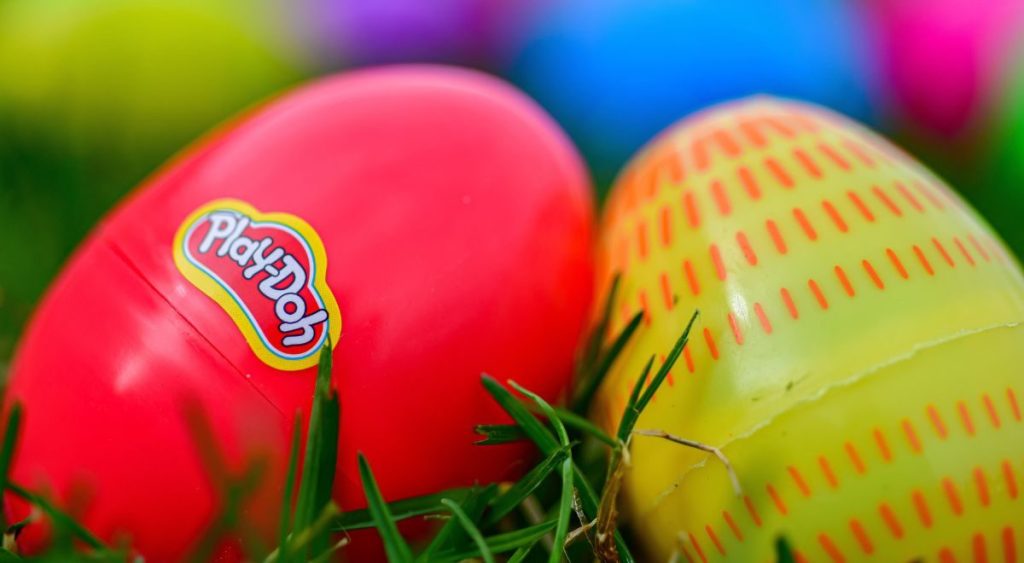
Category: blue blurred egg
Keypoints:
(615, 72)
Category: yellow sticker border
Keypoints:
(214, 290)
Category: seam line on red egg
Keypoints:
(214, 349)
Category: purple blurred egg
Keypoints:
(366, 32)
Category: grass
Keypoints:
(563, 508)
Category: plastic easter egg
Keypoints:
(615, 72)
(857, 358)
(940, 59)
(392, 31)
(134, 79)
(433, 223)
(95, 95)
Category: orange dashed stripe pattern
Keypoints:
(810, 196)
(815, 292)
(916, 503)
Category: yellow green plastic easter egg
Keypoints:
(858, 358)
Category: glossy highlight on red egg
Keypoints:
(434, 223)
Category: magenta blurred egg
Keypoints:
(941, 58)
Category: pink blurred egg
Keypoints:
(940, 58)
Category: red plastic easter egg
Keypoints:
(432, 222)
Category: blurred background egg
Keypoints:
(940, 59)
(95, 95)
(944, 67)
(361, 32)
(1001, 196)
(857, 357)
(615, 72)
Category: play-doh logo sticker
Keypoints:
(268, 271)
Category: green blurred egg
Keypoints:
(1002, 199)
(95, 94)
(135, 77)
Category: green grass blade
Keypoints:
(205, 441)
(564, 511)
(496, 434)
(523, 488)
(58, 518)
(500, 543)
(593, 382)
(16, 527)
(638, 386)
(300, 542)
(471, 530)
(285, 524)
(328, 556)
(394, 544)
(545, 440)
(520, 554)
(402, 509)
(640, 397)
(565, 500)
(667, 365)
(573, 420)
(327, 467)
(632, 413)
(783, 552)
(234, 492)
(547, 410)
(318, 466)
(589, 502)
(11, 429)
(451, 535)
(521, 415)
(592, 350)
